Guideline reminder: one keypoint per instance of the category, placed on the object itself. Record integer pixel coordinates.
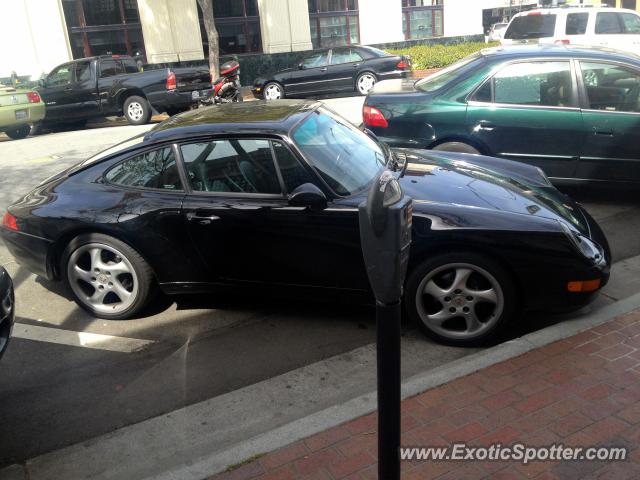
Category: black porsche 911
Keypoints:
(345, 69)
(265, 194)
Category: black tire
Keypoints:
(370, 75)
(446, 266)
(143, 275)
(136, 110)
(459, 147)
(272, 85)
(18, 133)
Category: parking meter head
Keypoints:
(385, 233)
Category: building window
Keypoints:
(104, 27)
(631, 4)
(422, 18)
(333, 23)
(238, 25)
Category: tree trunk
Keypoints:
(212, 36)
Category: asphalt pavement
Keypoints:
(68, 377)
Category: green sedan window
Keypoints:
(547, 84)
(611, 87)
(443, 77)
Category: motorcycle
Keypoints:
(226, 89)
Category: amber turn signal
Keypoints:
(583, 285)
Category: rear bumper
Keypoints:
(29, 251)
(33, 114)
(393, 74)
(174, 99)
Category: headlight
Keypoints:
(583, 244)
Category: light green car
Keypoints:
(19, 110)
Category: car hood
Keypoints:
(433, 178)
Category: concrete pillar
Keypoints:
(171, 30)
(284, 25)
(380, 21)
(33, 37)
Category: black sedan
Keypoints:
(344, 69)
(265, 195)
(7, 313)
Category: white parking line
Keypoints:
(79, 339)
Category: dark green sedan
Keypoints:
(573, 111)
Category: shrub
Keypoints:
(424, 57)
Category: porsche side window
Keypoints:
(240, 166)
(156, 169)
(292, 172)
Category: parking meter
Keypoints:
(385, 235)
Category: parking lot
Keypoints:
(68, 377)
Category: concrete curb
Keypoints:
(101, 456)
(365, 404)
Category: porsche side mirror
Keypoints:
(42, 83)
(308, 195)
(301, 66)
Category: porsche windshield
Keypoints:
(346, 158)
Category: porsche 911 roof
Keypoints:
(266, 116)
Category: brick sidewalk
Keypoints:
(581, 391)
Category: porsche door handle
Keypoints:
(202, 219)
(323, 69)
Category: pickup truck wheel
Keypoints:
(18, 132)
(137, 110)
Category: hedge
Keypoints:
(424, 57)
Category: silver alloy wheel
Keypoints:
(272, 92)
(459, 295)
(365, 83)
(102, 278)
(135, 111)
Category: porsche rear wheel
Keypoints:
(107, 277)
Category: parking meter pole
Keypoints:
(388, 356)
(385, 234)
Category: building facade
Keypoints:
(39, 34)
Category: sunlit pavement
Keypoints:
(68, 377)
